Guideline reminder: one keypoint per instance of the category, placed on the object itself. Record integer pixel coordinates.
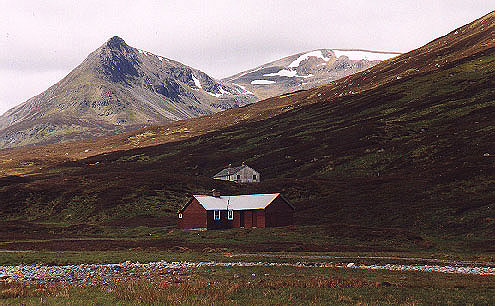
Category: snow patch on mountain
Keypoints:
(222, 92)
(305, 56)
(283, 72)
(287, 73)
(214, 94)
(262, 82)
(196, 82)
(243, 88)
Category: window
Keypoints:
(216, 215)
(230, 215)
(238, 177)
(180, 216)
(254, 177)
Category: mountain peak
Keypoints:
(116, 43)
(117, 88)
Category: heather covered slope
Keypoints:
(399, 156)
(115, 89)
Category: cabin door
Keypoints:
(241, 218)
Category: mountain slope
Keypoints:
(117, 88)
(305, 70)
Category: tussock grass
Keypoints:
(20, 290)
(267, 286)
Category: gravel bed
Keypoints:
(393, 267)
(95, 274)
(332, 257)
(98, 274)
(427, 268)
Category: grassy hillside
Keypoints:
(408, 163)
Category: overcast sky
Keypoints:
(42, 41)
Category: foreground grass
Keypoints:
(229, 294)
(270, 286)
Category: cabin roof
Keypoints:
(236, 202)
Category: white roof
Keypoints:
(237, 202)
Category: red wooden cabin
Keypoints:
(238, 211)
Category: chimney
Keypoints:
(215, 193)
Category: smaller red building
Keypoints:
(238, 211)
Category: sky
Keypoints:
(42, 41)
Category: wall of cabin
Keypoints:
(260, 218)
(237, 219)
(249, 219)
(219, 224)
(194, 216)
(279, 213)
(246, 175)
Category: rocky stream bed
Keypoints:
(101, 274)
